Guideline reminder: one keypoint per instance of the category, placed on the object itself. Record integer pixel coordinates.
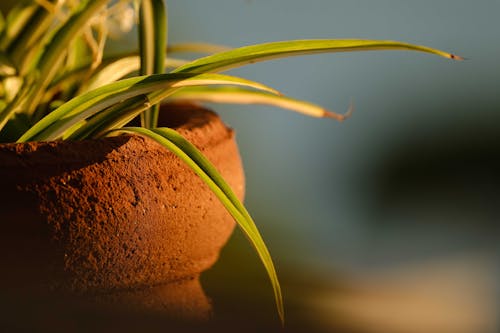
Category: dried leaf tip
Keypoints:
(337, 116)
(456, 57)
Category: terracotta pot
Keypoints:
(119, 220)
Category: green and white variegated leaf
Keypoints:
(50, 58)
(119, 115)
(55, 124)
(111, 118)
(128, 64)
(111, 70)
(207, 48)
(27, 44)
(261, 52)
(121, 68)
(188, 153)
(152, 46)
(241, 95)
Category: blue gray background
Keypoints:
(321, 183)
(412, 177)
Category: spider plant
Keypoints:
(56, 82)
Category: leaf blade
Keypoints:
(120, 68)
(53, 125)
(189, 154)
(268, 51)
(53, 54)
(152, 47)
(241, 95)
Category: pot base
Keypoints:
(183, 300)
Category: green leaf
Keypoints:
(14, 127)
(50, 59)
(2, 23)
(16, 101)
(188, 153)
(113, 117)
(122, 67)
(261, 52)
(15, 22)
(6, 66)
(208, 48)
(152, 46)
(110, 70)
(54, 125)
(116, 67)
(241, 95)
(27, 42)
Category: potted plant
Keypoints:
(105, 194)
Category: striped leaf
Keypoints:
(261, 52)
(188, 153)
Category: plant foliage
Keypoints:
(56, 82)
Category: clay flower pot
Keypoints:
(119, 220)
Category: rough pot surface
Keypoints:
(119, 219)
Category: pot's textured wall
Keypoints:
(121, 218)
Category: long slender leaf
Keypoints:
(113, 117)
(161, 35)
(261, 52)
(53, 54)
(15, 105)
(121, 68)
(111, 69)
(15, 22)
(2, 24)
(23, 49)
(241, 95)
(152, 42)
(208, 48)
(79, 108)
(188, 153)
(122, 114)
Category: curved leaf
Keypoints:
(241, 95)
(121, 68)
(54, 125)
(188, 153)
(50, 58)
(197, 47)
(15, 22)
(113, 117)
(261, 52)
(24, 47)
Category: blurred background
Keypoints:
(388, 222)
